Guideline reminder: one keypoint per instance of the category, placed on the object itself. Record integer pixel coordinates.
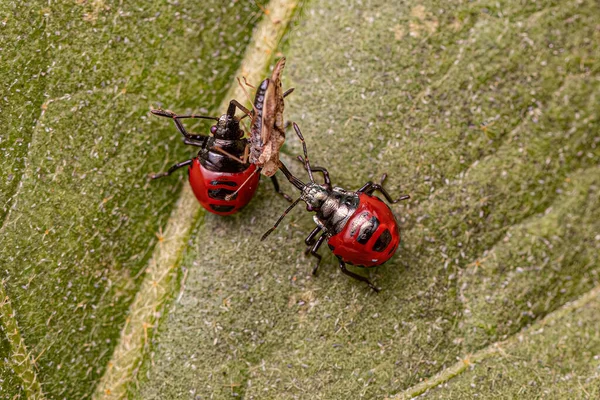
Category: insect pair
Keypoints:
(225, 173)
(359, 228)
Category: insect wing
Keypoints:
(269, 110)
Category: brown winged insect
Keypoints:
(267, 133)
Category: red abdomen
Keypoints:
(211, 187)
(371, 235)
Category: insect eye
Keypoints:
(213, 129)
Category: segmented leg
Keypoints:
(371, 187)
(244, 109)
(176, 118)
(172, 169)
(278, 190)
(314, 250)
(233, 104)
(322, 170)
(248, 97)
(248, 83)
(365, 187)
(246, 155)
(310, 239)
(356, 276)
(194, 142)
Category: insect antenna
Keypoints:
(306, 162)
(267, 233)
(322, 170)
(293, 180)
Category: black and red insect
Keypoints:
(217, 172)
(267, 132)
(359, 228)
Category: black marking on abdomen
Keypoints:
(382, 241)
(221, 208)
(367, 230)
(226, 183)
(358, 222)
(219, 194)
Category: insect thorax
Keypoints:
(228, 128)
(216, 161)
(333, 206)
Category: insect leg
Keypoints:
(310, 239)
(233, 104)
(172, 169)
(278, 190)
(246, 154)
(176, 118)
(248, 83)
(314, 250)
(247, 96)
(375, 186)
(371, 187)
(356, 276)
(321, 170)
(197, 143)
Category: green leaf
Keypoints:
(79, 216)
(402, 89)
(557, 356)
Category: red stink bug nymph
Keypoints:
(359, 228)
(216, 174)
